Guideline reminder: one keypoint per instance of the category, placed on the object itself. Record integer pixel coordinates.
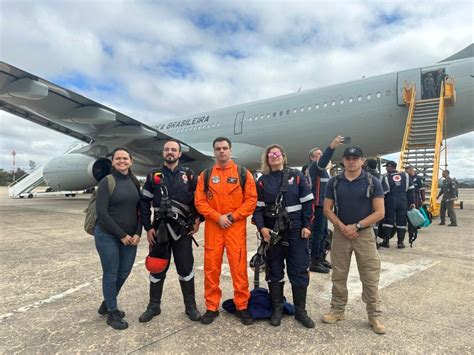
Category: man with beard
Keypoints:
(170, 191)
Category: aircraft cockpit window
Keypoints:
(325, 104)
(388, 93)
(341, 102)
(378, 95)
(359, 98)
(369, 96)
(333, 103)
(309, 108)
(350, 100)
(316, 106)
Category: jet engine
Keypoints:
(75, 171)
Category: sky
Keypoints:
(155, 60)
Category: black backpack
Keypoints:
(240, 169)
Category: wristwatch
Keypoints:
(230, 218)
(359, 226)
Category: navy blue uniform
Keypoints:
(398, 198)
(297, 202)
(419, 190)
(181, 184)
(319, 177)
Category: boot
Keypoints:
(316, 266)
(189, 297)
(299, 299)
(385, 243)
(153, 309)
(324, 262)
(377, 326)
(116, 321)
(276, 297)
(401, 238)
(103, 310)
(331, 317)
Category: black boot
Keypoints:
(103, 310)
(385, 243)
(189, 297)
(299, 299)
(153, 309)
(316, 266)
(324, 262)
(276, 296)
(401, 238)
(116, 321)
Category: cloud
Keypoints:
(156, 60)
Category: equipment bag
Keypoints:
(91, 213)
(416, 217)
(427, 216)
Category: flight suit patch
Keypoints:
(291, 180)
(215, 179)
(232, 180)
(185, 178)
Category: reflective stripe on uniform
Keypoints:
(147, 193)
(154, 279)
(402, 227)
(308, 197)
(324, 179)
(260, 203)
(186, 278)
(387, 225)
(293, 208)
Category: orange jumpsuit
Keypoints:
(225, 196)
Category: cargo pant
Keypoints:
(447, 205)
(368, 263)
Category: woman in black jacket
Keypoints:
(117, 232)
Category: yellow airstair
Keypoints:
(422, 144)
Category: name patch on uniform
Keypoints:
(232, 180)
(215, 179)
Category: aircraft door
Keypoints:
(239, 122)
(408, 76)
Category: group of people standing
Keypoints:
(289, 209)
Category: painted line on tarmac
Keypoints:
(56, 297)
(389, 273)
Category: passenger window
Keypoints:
(287, 112)
(333, 103)
(268, 115)
(301, 109)
(309, 108)
(378, 95)
(388, 93)
(341, 102)
(316, 106)
(274, 114)
(369, 96)
(359, 98)
(218, 124)
(294, 110)
(350, 99)
(261, 117)
(250, 119)
(325, 104)
(281, 113)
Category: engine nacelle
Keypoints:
(75, 171)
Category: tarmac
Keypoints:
(50, 289)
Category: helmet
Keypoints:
(155, 265)
(158, 258)
(257, 259)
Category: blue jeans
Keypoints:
(319, 232)
(117, 262)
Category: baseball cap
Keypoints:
(354, 151)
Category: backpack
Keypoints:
(240, 169)
(370, 188)
(91, 215)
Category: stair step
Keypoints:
(429, 130)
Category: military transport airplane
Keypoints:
(371, 111)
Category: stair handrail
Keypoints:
(406, 135)
(434, 204)
(24, 176)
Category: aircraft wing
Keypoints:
(39, 101)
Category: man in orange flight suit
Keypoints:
(225, 206)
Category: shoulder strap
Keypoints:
(111, 183)
(207, 176)
(284, 183)
(370, 187)
(242, 170)
(334, 188)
